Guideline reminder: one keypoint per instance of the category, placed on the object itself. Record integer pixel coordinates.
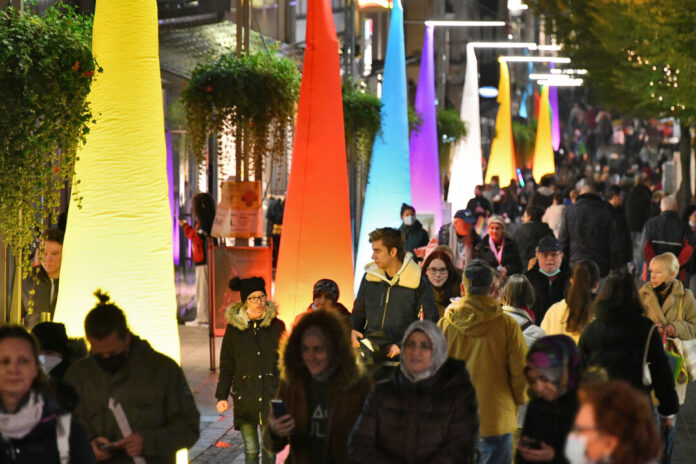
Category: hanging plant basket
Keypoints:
(46, 73)
(256, 93)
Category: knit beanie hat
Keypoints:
(248, 286)
(328, 287)
(51, 336)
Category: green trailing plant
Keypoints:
(524, 138)
(450, 129)
(45, 77)
(254, 96)
(361, 120)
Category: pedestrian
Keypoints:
(444, 278)
(415, 236)
(667, 233)
(517, 297)
(614, 425)
(461, 237)
(249, 362)
(32, 422)
(325, 296)
(491, 343)
(570, 316)
(324, 385)
(614, 197)
(689, 217)
(392, 294)
(549, 276)
(530, 232)
(427, 412)
(40, 289)
(553, 373)
(479, 205)
(203, 211)
(499, 250)
(554, 214)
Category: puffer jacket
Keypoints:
(666, 233)
(249, 362)
(348, 387)
(41, 445)
(431, 421)
(668, 311)
(616, 341)
(384, 308)
(154, 395)
(588, 232)
(493, 347)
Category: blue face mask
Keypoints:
(550, 274)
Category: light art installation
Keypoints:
(466, 170)
(389, 182)
(120, 239)
(555, 118)
(425, 162)
(502, 158)
(543, 151)
(317, 241)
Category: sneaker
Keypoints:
(196, 324)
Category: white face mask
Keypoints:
(692, 224)
(49, 361)
(575, 449)
(409, 220)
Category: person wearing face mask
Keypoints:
(123, 369)
(324, 385)
(553, 373)
(426, 413)
(549, 276)
(249, 362)
(614, 425)
(571, 315)
(414, 234)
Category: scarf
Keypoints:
(19, 424)
(498, 253)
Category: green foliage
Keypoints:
(641, 55)
(256, 92)
(45, 76)
(524, 138)
(450, 128)
(361, 121)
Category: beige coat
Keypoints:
(491, 343)
(667, 313)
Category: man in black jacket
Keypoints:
(666, 233)
(549, 276)
(614, 198)
(637, 204)
(392, 294)
(588, 232)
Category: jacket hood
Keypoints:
(546, 191)
(409, 276)
(344, 362)
(473, 314)
(236, 315)
(517, 312)
(437, 339)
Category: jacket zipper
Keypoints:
(386, 304)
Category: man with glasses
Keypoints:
(549, 276)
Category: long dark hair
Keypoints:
(619, 289)
(203, 211)
(453, 274)
(585, 277)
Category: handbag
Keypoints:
(647, 377)
(685, 348)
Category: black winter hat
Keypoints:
(478, 275)
(51, 336)
(327, 287)
(248, 286)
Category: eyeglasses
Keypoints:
(257, 299)
(436, 271)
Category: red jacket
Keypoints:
(197, 237)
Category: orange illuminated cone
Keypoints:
(316, 239)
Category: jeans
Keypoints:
(495, 450)
(250, 436)
(667, 436)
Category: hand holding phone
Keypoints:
(280, 409)
(280, 422)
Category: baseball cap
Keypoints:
(549, 243)
(465, 215)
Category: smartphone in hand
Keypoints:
(280, 409)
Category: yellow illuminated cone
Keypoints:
(543, 150)
(501, 161)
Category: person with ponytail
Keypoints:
(249, 362)
(571, 315)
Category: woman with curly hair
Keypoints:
(323, 385)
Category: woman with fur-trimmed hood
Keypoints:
(323, 385)
(248, 362)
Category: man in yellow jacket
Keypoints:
(493, 347)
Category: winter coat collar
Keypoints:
(473, 313)
(653, 309)
(236, 315)
(590, 198)
(517, 312)
(409, 276)
(613, 312)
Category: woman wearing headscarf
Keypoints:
(426, 413)
(248, 362)
(553, 372)
(498, 249)
(324, 385)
